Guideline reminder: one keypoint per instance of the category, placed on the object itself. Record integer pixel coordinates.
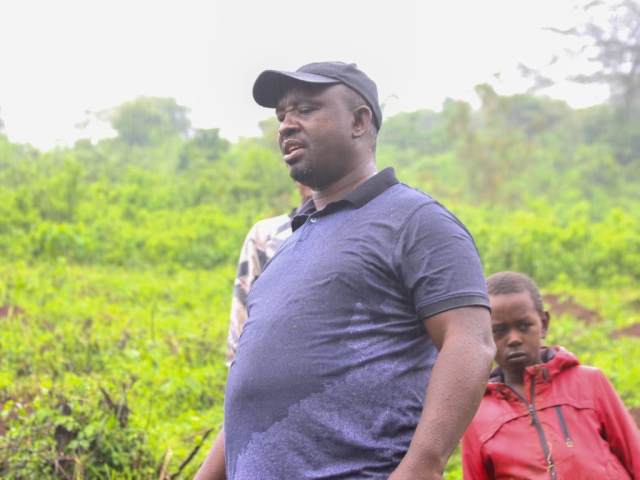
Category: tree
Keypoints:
(421, 131)
(608, 38)
(205, 146)
(148, 120)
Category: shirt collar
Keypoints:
(372, 187)
(362, 195)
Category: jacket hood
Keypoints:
(555, 360)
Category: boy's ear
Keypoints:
(546, 318)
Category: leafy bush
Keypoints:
(117, 263)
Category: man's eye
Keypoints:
(305, 111)
(280, 118)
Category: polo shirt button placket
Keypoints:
(313, 219)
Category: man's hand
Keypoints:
(463, 337)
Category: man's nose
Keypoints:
(288, 126)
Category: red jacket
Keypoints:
(571, 425)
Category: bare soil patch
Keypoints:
(7, 311)
(560, 305)
(3, 428)
(630, 331)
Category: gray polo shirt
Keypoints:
(333, 363)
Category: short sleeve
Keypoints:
(438, 262)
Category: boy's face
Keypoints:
(518, 329)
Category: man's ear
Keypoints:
(362, 118)
(546, 318)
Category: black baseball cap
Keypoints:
(269, 84)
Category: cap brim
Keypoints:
(271, 83)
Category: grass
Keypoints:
(151, 342)
(118, 373)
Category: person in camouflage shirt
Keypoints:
(260, 244)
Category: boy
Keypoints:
(543, 414)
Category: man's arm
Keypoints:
(213, 467)
(457, 384)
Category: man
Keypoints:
(261, 243)
(338, 373)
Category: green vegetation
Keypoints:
(108, 367)
(117, 263)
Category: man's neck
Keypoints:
(344, 186)
(303, 200)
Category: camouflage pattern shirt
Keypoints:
(261, 243)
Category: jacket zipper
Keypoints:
(563, 425)
(535, 421)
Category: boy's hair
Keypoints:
(504, 283)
